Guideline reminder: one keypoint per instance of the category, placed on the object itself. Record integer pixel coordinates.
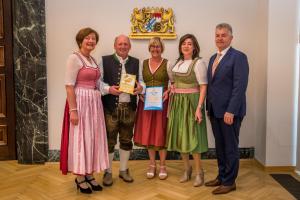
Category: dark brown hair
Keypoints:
(196, 50)
(82, 33)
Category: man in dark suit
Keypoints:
(227, 74)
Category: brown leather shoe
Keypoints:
(107, 179)
(224, 189)
(213, 183)
(126, 176)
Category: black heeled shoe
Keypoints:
(94, 187)
(83, 190)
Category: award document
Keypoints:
(127, 83)
(153, 98)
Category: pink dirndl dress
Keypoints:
(87, 150)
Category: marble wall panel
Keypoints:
(30, 80)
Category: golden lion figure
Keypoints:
(137, 20)
(167, 19)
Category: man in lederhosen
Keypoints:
(119, 107)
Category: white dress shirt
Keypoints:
(123, 97)
(223, 53)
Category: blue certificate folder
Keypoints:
(153, 98)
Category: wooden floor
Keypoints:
(46, 182)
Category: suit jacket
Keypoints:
(226, 90)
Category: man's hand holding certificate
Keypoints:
(127, 83)
(153, 98)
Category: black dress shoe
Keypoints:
(83, 190)
(94, 187)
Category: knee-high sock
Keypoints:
(111, 157)
(124, 157)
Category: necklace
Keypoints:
(88, 58)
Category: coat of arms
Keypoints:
(150, 22)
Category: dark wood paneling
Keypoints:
(7, 82)
(1, 19)
(3, 135)
(2, 61)
(2, 96)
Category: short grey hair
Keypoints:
(122, 35)
(226, 26)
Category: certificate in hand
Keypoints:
(153, 98)
(127, 83)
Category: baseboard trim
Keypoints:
(142, 154)
(279, 169)
(271, 169)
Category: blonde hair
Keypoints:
(156, 41)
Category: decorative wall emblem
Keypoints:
(150, 22)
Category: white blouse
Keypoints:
(200, 69)
(73, 66)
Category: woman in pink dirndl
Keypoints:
(84, 144)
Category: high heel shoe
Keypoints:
(151, 171)
(94, 187)
(199, 180)
(163, 173)
(83, 190)
(186, 175)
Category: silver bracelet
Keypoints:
(72, 109)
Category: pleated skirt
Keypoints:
(184, 134)
(87, 151)
(150, 127)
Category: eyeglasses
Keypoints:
(155, 46)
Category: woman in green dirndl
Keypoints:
(186, 129)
